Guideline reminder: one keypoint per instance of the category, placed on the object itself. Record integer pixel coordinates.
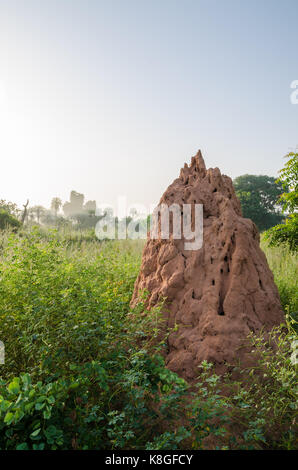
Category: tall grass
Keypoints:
(284, 265)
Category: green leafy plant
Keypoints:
(288, 232)
(264, 402)
(8, 220)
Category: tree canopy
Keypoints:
(260, 199)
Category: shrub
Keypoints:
(7, 220)
(264, 401)
(287, 233)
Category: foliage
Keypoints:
(259, 197)
(55, 205)
(84, 371)
(266, 408)
(37, 213)
(287, 232)
(83, 221)
(289, 179)
(7, 220)
(284, 265)
(9, 207)
(78, 372)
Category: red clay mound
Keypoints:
(219, 293)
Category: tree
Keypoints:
(25, 212)
(10, 207)
(8, 220)
(38, 212)
(90, 207)
(55, 205)
(259, 196)
(289, 180)
(287, 232)
(9, 213)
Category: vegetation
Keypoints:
(266, 408)
(259, 197)
(80, 370)
(8, 220)
(9, 207)
(8, 215)
(55, 205)
(284, 265)
(84, 371)
(288, 232)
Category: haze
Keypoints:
(111, 97)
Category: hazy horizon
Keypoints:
(110, 98)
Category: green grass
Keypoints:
(284, 265)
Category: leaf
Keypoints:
(35, 433)
(39, 406)
(23, 446)
(9, 417)
(47, 413)
(14, 386)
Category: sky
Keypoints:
(111, 97)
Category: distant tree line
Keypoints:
(265, 200)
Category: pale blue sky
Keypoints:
(111, 97)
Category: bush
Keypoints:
(266, 408)
(7, 220)
(287, 233)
